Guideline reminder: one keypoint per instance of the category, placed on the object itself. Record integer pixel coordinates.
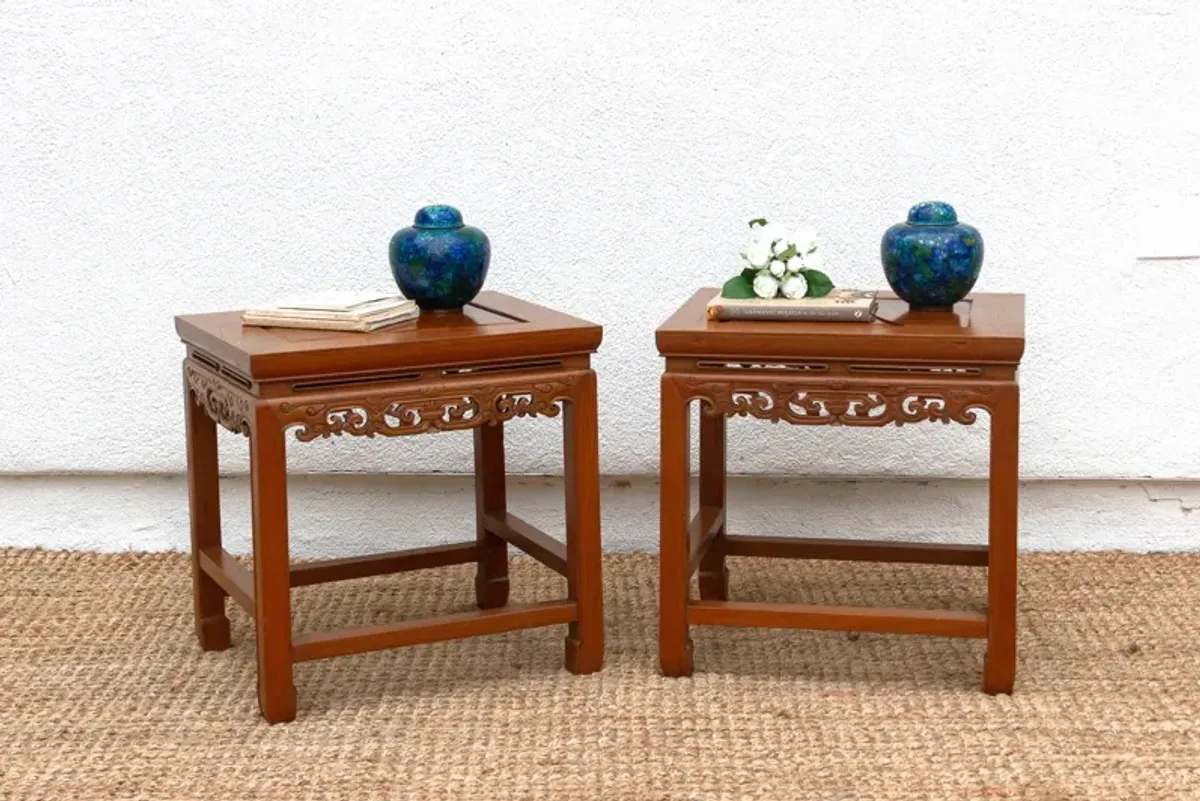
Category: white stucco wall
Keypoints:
(168, 158)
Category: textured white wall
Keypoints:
(185, 157)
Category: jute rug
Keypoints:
(105, 694)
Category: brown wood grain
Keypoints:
(356, 567)
(944, 623)
(1001, 663)
(949, 366)
(989, 329)
(581, 467)
(707, 523)
(272, 584)
(501, 360)
(713, 580)
(491, 498)
(208, 597)
(533, 541)
(493, 328)
(323, 645)
(674, 642)
(230, 574)
(926, 553)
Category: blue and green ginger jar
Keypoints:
(932, 261)
(439, 262)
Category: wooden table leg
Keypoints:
(491, 572)
(272, 599)
(212, 626)
(1000, 669)
(581, 466)
(714, 576)
(674, 644)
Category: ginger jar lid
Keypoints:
(438, 216)
(932, 212)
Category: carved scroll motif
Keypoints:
(838, 403)
(422, 409)
(228, 407)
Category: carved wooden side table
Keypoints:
(940, 366)
(502, 358)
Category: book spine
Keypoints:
(836, 315)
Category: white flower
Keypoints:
(752, 240)
(777, 268)
(805, 239)
(771, 232)
(794, 286)
(765, 285)
(758, 254)
(814, 260)
(795, 264)
(780, 245)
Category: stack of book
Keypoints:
(839, 306)
(334, 311)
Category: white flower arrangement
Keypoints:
(779, 264)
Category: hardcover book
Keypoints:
(840, 305)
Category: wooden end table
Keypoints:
(500, 359)
(938, 366)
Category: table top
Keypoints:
(493, 327)
(984, 328)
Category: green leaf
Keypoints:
(758, 221)
(749, 274)
(787, 254)
(738, 287)
(819, 284)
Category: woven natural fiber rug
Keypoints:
(105, 694)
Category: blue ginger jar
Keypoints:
(932, 261)
(439, 262)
